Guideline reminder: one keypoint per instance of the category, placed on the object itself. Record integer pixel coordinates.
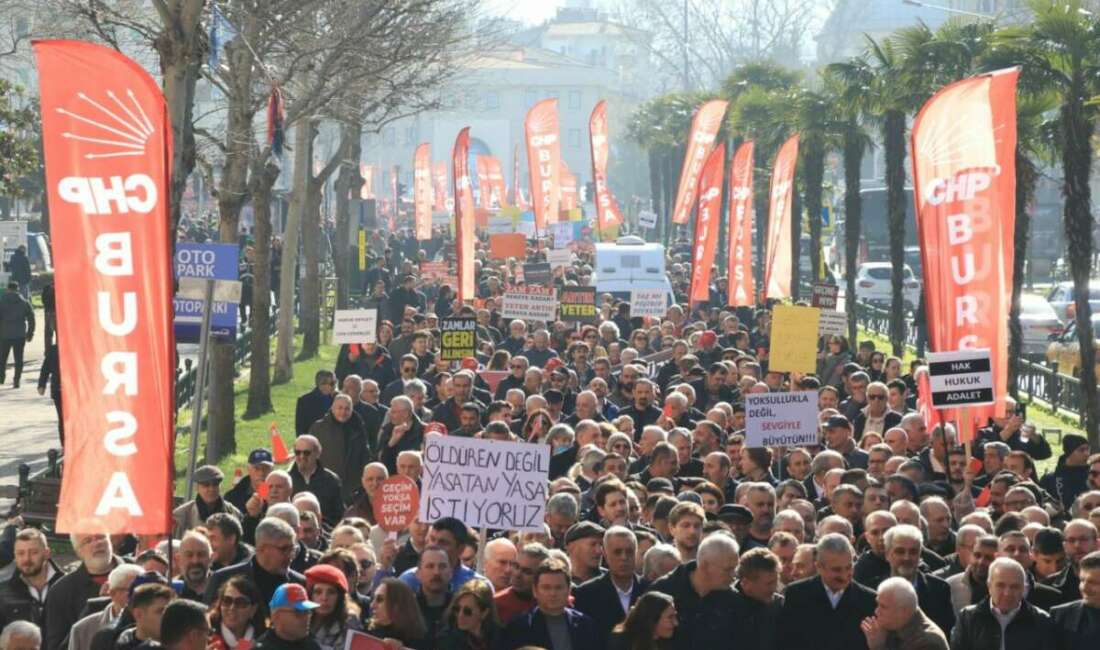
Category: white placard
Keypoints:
(963, 378)
(530, 303)
(484, 483)
(563, 233)
(501, 225)
(559, 258)
(781, 419)
(832, 323)
(355, 326)
(647, 219)
(649, 302)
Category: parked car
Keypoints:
(1039, 324)
(1065, 351)
(1061, 297)
(873, 284)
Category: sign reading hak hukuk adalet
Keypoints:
(781, 419)
(962, 378)
(485, 483)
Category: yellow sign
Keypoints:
(794, 339)
(362, 250)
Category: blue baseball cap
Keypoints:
(293, 596)
(260, 456)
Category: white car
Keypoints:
(873, 284)
(1039, 322)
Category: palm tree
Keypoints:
(661, 126)
(816, 119)
(1066, 38)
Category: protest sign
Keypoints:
(562, 233)
(559, 258)
(783, 419)
(501, 225)
(507, 245)
(824, 296)
(538, 273)
(485, 483)
(458, 338)
(355, 326)
(397, 504)
(438, 272)
(963, 378)
(578, 305)
(358, 641)
(647, 219)
(530, 303)
(648, 302)
(832, 323)
(794, 339)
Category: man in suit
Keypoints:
(824, 612)
(608, 598)
(904, 544)
(899, 623)
(118, 585)
(551, 624)
(1077, 624)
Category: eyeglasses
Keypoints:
(876, 397)
(303, 452)
(240, 602)
(466, 611)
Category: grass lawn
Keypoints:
(251, 434)
(1038, 412)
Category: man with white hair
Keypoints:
(500, 555)
(824, 612)
(310, 474)
(276, 542)
(608, 598)
(702, 590)
(403, 432)
(904, 545)
(66, 598)
(304, 557)
(118, 593)
(660, 560)
(1004, 620)
(899, 623)
(21, 635)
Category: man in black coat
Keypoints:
(67, 596)
(551, 619)
(608, 598)
(22, 596)
(1077, 624)
(1004, 619)
(404, 432)
(904, 544)
(824, 612)
(313, 405)
(276, 543)
(642, 411)
(308, 474)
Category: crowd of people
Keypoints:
(662, 529)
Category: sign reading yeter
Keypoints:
(963, 378)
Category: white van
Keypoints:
(630, 263)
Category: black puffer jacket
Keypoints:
(978, 629)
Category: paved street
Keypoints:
(28, 425)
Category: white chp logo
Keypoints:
(121, 133)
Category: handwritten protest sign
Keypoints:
(397, 503)
(530, 303)
(485, 483)
(562, 233)
(458, 338)
(559, 258)
(794, 339)
(355, 326)
(832, 323)
(783, 419)
(578, 305)
(648, 302)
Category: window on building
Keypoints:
(574, 99)
(389, 136)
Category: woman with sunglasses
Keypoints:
(235, 615)
(328, 587)
(649, 625)
(472, 617)
(875, 369)
(395, 614)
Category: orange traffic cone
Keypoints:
(278, 447)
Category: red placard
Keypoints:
(397, 503)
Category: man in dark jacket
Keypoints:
(601, 598)
(313, 405)
(16, 330)
(23, 597)
(269, 568)
(51, 374)
(343, 440)
(1004, 619)
(404, 432)
(1077, 624)
(20, 268)
(67, 596)
(1070, 477)
(824, 612)
(448, 413)
(1008, 431)
(290, 614)
(551, 624)
(309, 474)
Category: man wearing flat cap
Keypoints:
(584, 544)
(208, 501)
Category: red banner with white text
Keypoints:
(497, 189)
(422, 191)
(544, 161)
(464, 215)
(777, 263)
(484, 190)
(964, 172)
(367, 173)
(568, 184)
(607, 208)
(439, 186)
(108, 151)
(706, 224)
(704, 129)
(741, 289)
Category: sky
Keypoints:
(528, 11)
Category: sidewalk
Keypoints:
(28, 423)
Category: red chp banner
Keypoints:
(777, 264)
(607, 209)
(497, 190)
(367, 173)
(544, 161)
(464, 215)
(741, 290)
(108, 152)
(484, 190)
(568, 184)
(964, 172)
(704, 129)
(706, 224)
(439, 186)
(422, 191)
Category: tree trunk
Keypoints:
(264, 174)
(814, 170)
(893, 136)
(288, 281)
(853, 214)
(670, 179)
(796, 243)
(655, 191)
(309, 316)
(1026, 177)
(1076, 167)
(348, 183)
